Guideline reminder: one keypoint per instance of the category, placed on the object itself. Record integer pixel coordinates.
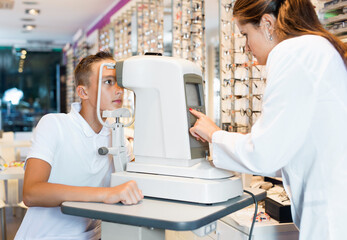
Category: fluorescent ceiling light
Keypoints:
(27, 19)
(30, 3)
(29, 27)
(32, 11)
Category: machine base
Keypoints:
(182, 188)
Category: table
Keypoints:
(7, 174)
(15, 143)
(12, 173)
(150, 218)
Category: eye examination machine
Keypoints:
(169, 162)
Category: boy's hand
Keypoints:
(126, 193)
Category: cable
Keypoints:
(255, 213)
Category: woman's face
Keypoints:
(257, 40)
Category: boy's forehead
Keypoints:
(96, 66)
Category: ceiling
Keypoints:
(56, 24)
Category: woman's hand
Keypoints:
(203, 128)
(126, 193)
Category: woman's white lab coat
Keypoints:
(302, 132)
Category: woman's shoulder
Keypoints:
(310, 51)
(305, 43)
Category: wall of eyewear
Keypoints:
(150, 29)
(242, 79)
(188, 31)
(122, 36)
(70, 86)
(73, 55)
(335, 17)
(180, 28)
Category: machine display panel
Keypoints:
(193, 94)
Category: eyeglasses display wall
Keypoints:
(122, 36)
(188, 31)
(81, 50)
(242, 79)
(123, 50)
(73, 56)
(150, 30)
(106, 38)
(70, 86)
(335, 17)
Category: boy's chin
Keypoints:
(116, 105)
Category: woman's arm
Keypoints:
(37, 191)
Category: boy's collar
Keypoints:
(88, 131)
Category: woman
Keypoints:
(302, 131)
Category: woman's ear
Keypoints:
(268, 20)
(82, 92)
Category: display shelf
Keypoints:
(150, 29)
(106, 41)
(122, 36)
(242, 79)
(339, 32)
(338, 18)
(337, 24)
(188, 31)
(70, 85)
(334, 7)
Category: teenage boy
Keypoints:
(63, 164)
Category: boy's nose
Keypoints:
(118, 89)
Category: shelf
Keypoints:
(338, 31)
(334, 7)
(338, 18)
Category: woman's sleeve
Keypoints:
(282, 128)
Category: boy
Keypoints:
(63, 164)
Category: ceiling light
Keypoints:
(32, 11)
(27, 19)
(30, 3)
(29, 27)
(23, 57)
(23, 52)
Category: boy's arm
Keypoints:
(37, 191)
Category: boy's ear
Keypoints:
(82, 92)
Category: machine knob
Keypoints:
(103, 150)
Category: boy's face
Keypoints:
(111, 94)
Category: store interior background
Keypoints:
(33, 62)
(39, 51)
(36, 63)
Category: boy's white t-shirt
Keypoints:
(70, 146)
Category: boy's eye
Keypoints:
(109, 82)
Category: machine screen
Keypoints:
(193, 94)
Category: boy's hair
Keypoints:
(83, 69)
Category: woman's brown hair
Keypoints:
(294, 18)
